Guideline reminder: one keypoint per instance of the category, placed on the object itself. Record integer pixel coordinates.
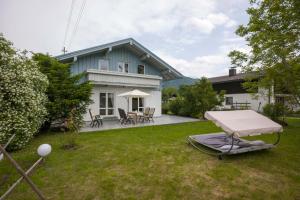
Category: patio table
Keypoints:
(134, 115)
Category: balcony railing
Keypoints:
(123, 79)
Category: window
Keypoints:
(141, 69)
(126, 68)
(103, 64)
(123, 67)
(120, 67)
(138, 104)
(106, 103)
(279, 100)
(229, 101)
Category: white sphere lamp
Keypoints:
(44, 150)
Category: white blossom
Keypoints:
(22, 96)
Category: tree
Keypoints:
(205, 97)
(66, 92)
(273, 33)
(22, 96)
(168, 93)
(198, 98)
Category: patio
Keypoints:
(115, 124)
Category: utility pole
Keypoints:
(64, 50)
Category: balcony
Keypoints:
(123, 79)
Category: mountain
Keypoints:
(178, 82)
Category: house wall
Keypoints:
(153, 100)
(121, 54)
(249, 98)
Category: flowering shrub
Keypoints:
(22, 96)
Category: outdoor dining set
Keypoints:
(136, 117)
(133, 117)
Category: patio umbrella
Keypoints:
(133, 93)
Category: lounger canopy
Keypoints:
(243, 122)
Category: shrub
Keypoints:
(168, 93)
(165, 108)
(274, 111)
(22, 96)
(175, 105)
(198, 98)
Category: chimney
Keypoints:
(232, 71)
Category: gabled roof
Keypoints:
(223, 79)
(168, 71)
(234, 78)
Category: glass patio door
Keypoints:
(106, 104)
(138, 104)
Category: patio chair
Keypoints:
(236, 124)
(149, 117)
(145, 114)
(95, 119)
(125, 119)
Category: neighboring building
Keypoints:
(236, 96)
(120, 67)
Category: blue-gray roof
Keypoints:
(131, 43)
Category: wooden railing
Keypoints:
(241, 106)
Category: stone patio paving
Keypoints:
(115, 124)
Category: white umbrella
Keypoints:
(133, 93)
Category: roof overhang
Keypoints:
(168, 72)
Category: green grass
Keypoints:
(156, 163)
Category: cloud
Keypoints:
(132, 18)
(106, 21)
(208, 23)
(192, 35)
(209, 65)
(202, 25)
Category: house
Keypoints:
(120, 67)
(236, 96)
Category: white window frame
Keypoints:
(106, 108)
(123, 65)
(100, 66)
(226, 101)
(143, 66)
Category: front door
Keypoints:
(106, 104)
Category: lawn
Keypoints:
(156, 163)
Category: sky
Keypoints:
(193, 36)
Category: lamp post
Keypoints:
(43, 150)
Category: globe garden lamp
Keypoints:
(43, 151)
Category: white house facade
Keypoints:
(120, 67)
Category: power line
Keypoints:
(77, 21)
(68, 25)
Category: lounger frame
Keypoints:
(220, 153)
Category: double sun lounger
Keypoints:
(236, 124)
